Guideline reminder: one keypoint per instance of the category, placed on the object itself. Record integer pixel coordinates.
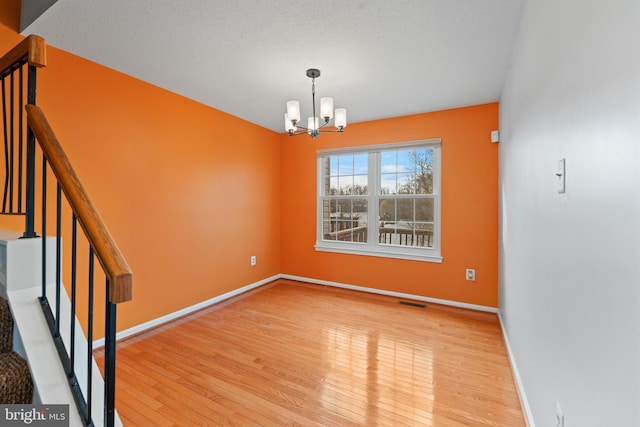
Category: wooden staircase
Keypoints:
(33, 160)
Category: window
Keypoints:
(381, 200)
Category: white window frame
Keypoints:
(372, 247)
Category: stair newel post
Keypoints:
(31, 161)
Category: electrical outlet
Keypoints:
(471, 275)
(559, 416)
(253, 260)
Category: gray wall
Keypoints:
(30, 10)
(570, 263)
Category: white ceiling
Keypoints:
(378, 58)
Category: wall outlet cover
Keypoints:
(471, 275)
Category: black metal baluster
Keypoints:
(31, 160)
(58, 255)
(44, 226)
(21, 114)
(109, 360)
(6, 146)
(90, 337)
(74, 235)
(11, 170)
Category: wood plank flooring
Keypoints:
(294, 354)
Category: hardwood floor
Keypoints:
(306, 355)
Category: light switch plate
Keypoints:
(559, 416)
(495, 136)
(561, 174)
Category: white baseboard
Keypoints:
(188, 310)
(528, 416)
(391, 293)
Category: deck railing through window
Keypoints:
(386, 235)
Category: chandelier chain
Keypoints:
(313, 99)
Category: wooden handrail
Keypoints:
(33, 46)
(114, 265)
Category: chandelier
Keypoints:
(292, 116)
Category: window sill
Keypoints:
(398, 254)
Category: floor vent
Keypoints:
(413, 304)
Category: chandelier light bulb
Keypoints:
(326, 108)
(341, 118)
(288, 125)
(313, 123)
(293, 111)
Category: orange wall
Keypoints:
(469, 208)
(189, 192)
(188, 200)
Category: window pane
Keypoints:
(405, 161)
(346, 175)
(405, 211)
(328, 223)
(360, 185)
(424, 210)
(345, 220)
(406, 222)
(344, 185)
(360, 206)
(406, 183)
(388, 183)
(359, 211)
(413, 171)
(333, 188)
(345, 165)
(333, 165)
(361, 164)
(388, 161)
(424, 183)
(360, 172)
(423, 234)
(423, 163)
(387, 210)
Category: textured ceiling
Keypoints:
(378, 58)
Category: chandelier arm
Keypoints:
(305, 131)
(298, 127)
(296, 133)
